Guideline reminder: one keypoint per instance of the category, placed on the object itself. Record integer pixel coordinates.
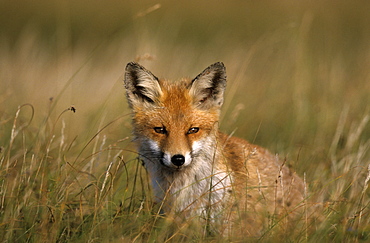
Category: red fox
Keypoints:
(196, 170)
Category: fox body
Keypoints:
(194, 168)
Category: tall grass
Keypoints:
(298, 84)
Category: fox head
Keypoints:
(175, 122)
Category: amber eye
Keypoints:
(193, 130)
(161, 130)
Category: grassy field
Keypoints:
(298, 84)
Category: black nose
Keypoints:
(178, 159)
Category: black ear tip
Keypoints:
(133, 65)
(218, 65)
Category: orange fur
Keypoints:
(194, 168)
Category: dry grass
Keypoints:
(298, 84)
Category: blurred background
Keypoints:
(293, 66)
(298, 84)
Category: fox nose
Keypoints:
(178, 159)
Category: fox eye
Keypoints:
(161, 130)
(193, 130)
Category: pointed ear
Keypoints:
(207, 89)
(142, 87)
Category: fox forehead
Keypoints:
(177, 105)
(175, 110)
(175, 95)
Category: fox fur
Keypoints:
(195, 169)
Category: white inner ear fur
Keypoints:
(151, 86)
(201, 84)
(208, 87)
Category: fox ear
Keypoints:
(207, 89)
(142, 87)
